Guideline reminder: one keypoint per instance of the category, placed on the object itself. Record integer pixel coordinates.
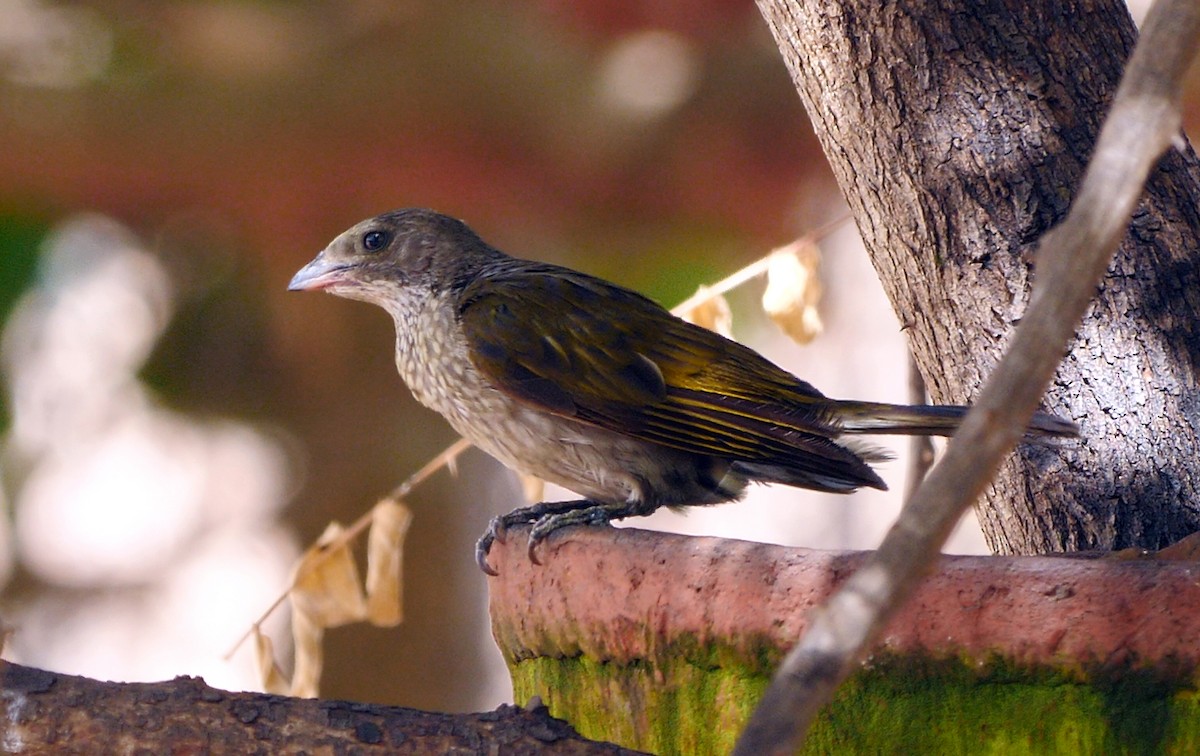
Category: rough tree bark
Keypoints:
(51, 713)
(958, 134)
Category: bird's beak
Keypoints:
(318, 274)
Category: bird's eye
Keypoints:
(373, 241)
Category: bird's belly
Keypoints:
(592, 462)
(596, 463)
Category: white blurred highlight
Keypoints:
(159, 530)
(647, 74)
(53, 46)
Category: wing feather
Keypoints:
(583, 348)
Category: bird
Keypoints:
(584, 383)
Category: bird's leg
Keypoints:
(522, 516)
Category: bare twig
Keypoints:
(1143, 123)
(756, 268)
(447, 458)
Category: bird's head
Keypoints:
(411, 251)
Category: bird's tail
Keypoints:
(933, 420)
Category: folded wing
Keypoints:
(583, 348)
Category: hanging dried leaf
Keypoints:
(310, 655)
(385, 550)
(325, 589)
(794, 289)
(711, 311)
(327, 586)
(269, 674)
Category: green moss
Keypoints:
(642, 707)
(894, 705)
(20, 237)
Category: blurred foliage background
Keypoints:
(177, 426)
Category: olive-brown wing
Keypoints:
(580, 347)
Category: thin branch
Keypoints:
(1142, 125)
(756, 268)
(447, 458)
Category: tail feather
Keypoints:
(933, 420)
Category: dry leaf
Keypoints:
(310, 656)
(385, 549)
(327, 586)
(711, 312)
(269, 674)
(793, 290)
(534, 488)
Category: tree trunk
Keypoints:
(959, 134)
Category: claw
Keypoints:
(482, 547)
(498, 530)
(532, 550)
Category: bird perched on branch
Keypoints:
(596, 388)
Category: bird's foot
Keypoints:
(546, 517)
(592, 514)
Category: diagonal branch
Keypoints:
(1141, 126)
